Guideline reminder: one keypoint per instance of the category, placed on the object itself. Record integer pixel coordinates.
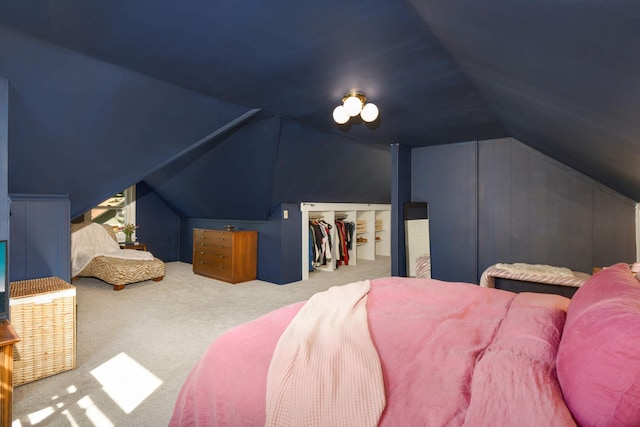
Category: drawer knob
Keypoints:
(201, 262)
(220, 266)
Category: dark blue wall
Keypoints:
(535, 209)
(270, 161)
(279, 242)
(40, 237)
(320, 167)
(291, 242)
(159, 225)
(500, 201)
(446, 178)
(230, 178)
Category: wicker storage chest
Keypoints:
(43, 314)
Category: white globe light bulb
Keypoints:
(340, 115)
(369, 112)
(353, 105)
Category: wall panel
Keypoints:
(559, 190)
(445, 178)
(624, 230)
(540, 239)
(536, 210)
(604, 218)
(40, 237)
(581, 231)
(530, 209)
(520, 201)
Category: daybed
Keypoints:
(406, 352)
(95, 252)
(542, 278)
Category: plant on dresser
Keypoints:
(230, 256)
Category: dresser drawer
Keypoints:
(216, 271)
(213, 248)
(211, 257)
(216, 263)
(208, 238)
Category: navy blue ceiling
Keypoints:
(560, 76)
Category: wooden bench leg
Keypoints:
(118, 287)
(157, 279)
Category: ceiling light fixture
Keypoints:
(354, 103)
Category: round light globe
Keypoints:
(353, 105)
(340, 115)
(369, 112)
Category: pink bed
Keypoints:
(456, 354)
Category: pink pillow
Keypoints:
(599, 355)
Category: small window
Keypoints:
(117, 210)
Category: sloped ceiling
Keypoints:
(559, 76)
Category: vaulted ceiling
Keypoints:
(560, 76)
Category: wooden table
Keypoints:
(137, 246)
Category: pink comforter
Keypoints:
(451, 353)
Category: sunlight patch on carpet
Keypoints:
(41, 415)
(97, 417)
(127, 382)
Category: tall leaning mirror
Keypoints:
(417, 249)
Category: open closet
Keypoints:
(336, 235)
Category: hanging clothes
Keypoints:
(350, 229)
(321, 234)
(312, 249)
(343, 251)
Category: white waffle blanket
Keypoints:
(538, 273)
(325, 370)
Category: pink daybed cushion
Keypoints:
(599, 356)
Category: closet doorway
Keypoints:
(336, 235)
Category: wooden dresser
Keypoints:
(8, 338)
(231, 256)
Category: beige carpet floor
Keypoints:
(135, 347)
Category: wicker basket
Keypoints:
(43, 314)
